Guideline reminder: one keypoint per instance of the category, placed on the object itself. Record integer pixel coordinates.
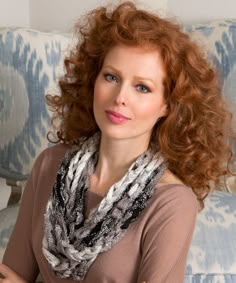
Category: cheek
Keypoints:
(97, 97)
(99, 94)
(150, 111)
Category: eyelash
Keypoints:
(113, 78)
(147, 89)
(106, 76)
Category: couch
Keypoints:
(30, 64)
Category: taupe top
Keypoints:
(154, 248)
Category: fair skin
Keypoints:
(9, 275)
(130, 83)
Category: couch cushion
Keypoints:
(212, 255)
(30, 63)
(7, 221)
(218, 40)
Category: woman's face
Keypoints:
(129, 93)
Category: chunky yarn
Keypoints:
(71, 243)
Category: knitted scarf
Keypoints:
(71, 243)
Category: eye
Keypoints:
(142, 88)
(110, 78)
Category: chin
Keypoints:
(114, 134)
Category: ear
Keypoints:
(164, 110)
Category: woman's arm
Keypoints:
(165, 250)
(9, 276)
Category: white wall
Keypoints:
(14, 13)
(57, 14)
(61, 15)
(202, 10)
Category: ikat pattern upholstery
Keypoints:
(212, 255)
(7, 221)
(218, 40)
(30, 64)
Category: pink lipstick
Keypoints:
(116, 117)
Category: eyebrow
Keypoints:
(136, 77)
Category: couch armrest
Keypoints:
(17, 188)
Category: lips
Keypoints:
(117, 114)
(116, 117)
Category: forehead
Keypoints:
(135, 58)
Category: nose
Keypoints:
(121, 94)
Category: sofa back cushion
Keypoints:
(30, 63)
(218, 40)
(212, 254)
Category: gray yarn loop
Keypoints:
(71, 243)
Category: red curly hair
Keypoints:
(193, 135)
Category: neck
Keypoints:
(115, 157)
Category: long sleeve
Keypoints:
(19, 254)
(165, 242)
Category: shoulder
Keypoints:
(51, 157)
(170, 178)
(170, 205)
(175, 196)
(172, 199)
(44, 171)
(58, 150)
(170, 189)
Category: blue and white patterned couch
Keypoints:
(212, 255)
(30, 63)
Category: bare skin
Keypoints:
(136, 91)
(10, 276)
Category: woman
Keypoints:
(142, 132)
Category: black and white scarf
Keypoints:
(71, 243)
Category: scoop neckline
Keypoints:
(157, 185)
